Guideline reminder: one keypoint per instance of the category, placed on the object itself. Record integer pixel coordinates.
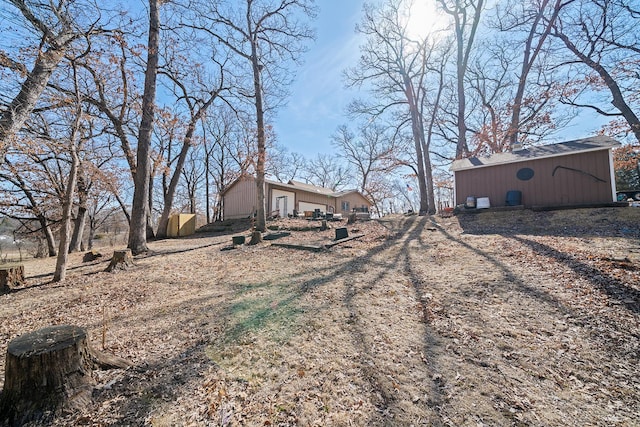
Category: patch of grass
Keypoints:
(264, 310)
(269, 316)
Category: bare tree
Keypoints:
(74, 146)
(539, 18)
(139, 210)
(371, 153)
(601, 36)
(229, 153)
(283, 164)
(197, 105)
(57, 26)
(327, 171)
(466, 18)
(266, 35)
(396, 68)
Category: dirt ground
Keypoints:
(513, 318)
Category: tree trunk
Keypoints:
(14, 116)
(72, 181)
(207, 190)
(138, 228)
(92, 233)
(81, 217)
(78, 230)
(150, 232)
(418, 139)
(161, 232)
(528, 60)
(65, 231)
(48, 371)
(48, 235)
(261, 219)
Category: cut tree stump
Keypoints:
(121, 260)
(11, 277)
(47, 373)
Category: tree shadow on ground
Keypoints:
(617, 290)
(602, 222)
(623, 294)
(257, 316)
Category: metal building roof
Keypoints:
(594, 143)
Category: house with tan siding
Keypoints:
(286, 199)
(570, 173)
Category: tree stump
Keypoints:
(11, 277)
(48, 372)
(352, 218)
(121, 260)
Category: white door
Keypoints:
(283, 201)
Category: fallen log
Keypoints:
(346, 239)
(312, 248)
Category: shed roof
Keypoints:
(300, 186)
(594, 143)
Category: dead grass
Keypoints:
(497, 318)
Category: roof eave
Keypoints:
(527, 159)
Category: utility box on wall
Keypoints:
(181, 225)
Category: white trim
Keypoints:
(528, 159)
(612, 171)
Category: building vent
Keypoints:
(517, 146)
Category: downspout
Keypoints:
(612, 174)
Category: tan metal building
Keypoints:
(568, 173)
(285, 199)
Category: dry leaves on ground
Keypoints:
(498, 318)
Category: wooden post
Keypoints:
(49, 371)
(121, 260)
(11, 277)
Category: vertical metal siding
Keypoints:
(546, 188)
(240, 201)
(355, 201)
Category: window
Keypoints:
(345, 206)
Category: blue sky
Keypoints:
(318, 98)
(316, 106)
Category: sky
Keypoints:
(318, 97)
(316, 106)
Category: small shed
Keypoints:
(181, 225)
(577, 172)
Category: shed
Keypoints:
(282, 199)
(576, 172)
(181, 225)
